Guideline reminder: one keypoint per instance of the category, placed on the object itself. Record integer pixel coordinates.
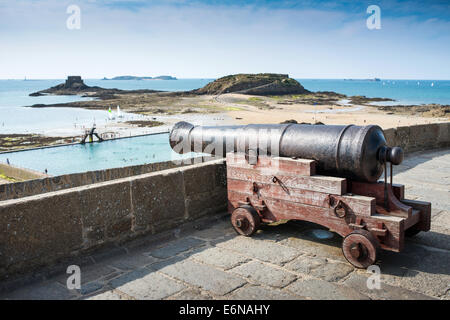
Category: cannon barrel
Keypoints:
(356, 152)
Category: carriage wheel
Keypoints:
(245, 220)
(360, 248)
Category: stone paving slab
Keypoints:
(224, 259)
(48, 290)
(323, 290)
(107, 295)
(176, 247)
(204, 276)
(281, 261)
(263, 274)
(332, 271)
(253, 292)
(144, 284)
(385, 292)
(261, 250)
(131, 261)
(192, 294)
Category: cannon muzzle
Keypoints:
(356, 152)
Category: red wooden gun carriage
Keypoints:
(338, 190)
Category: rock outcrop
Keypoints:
(74, 85)
(254, 84)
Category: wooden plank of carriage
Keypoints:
(318, 183)
(281, 165)
(377, 190)
(277, 209)
(360, 205)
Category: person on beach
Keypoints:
(7, 161)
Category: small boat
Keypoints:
(119, 113)
(110, 114)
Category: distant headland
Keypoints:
(141, 78)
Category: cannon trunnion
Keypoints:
(324, 174)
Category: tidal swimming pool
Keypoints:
(96, 156)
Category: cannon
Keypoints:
(325, 174)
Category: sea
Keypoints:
(16, 117)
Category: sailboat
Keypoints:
(110, 114)
(119, 114)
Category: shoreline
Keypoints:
(149, 111)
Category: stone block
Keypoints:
(385, 292)
(122, 227)
(43, 291)
(130, 261)
(191, 294)
(332, 271)
(261, 250)
(107, 295)
(402, 137)
(322, 290)
(158, 199)
(143, 284)
(444, 133)
(198, 205)
(305, 264)
(263, 274)
(252, 292)
(198, 179)
(221, 258)
(39, 230)
(203, 276)
(105, 204)
(176, 247)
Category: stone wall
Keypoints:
(419, 137)
(43, 229)
(38, 185)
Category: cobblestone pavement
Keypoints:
(284, 261)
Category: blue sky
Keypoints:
(211, 38)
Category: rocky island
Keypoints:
(263, 84)
(74, 85)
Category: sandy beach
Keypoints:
(327, 114)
